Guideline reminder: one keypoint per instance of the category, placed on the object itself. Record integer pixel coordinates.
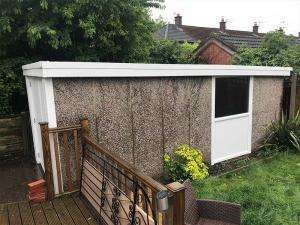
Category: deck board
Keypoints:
(62, 212)
(67, 210)
(3, 215)
(26, 214)
(14, 214)
(38, 214)
(86, 213)
(50, 213)
(75, 213)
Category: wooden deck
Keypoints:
(15, 175)
(66, 210)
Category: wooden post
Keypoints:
(85, 132)
(85, 126)
(293, 95)
(47, 160)
(178, 202)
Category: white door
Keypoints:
(231, 117)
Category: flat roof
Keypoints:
(99, 69)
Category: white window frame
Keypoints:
(235, 116)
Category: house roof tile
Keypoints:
(235, 41)
(174, 33)
(232, 38)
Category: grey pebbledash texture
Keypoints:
(142, 118)
(187, 113)
(146, 103)
(113, 116)
(267, 98)
(74, 99)
(200, 121)
(139, 118)
(176, 97)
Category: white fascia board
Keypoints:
(49, 103)
(95, 69)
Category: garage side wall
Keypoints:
(267, 97)
(139, 118)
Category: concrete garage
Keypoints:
(141, 111)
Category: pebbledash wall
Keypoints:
(141, 111)
(141, 118)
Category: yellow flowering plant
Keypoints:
(185, 163)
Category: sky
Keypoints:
(239, 14)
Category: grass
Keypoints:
(269, 191)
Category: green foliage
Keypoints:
(268, 191)
(70, 30)
(160, 23)
(282, 135)
(11, 84)
(187, 163)
(277, 49)
(94, 30)
(170, 52)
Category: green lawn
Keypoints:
(269, 191)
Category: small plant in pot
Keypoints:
(185, 163)
(282, 135)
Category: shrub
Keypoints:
(283, 135)
(12, 85)
(170, 52)
(276, 49)
(185, 163)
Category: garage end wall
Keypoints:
(139, 118)
(267, 98)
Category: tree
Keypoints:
(276, 49)
(70, 30)
(94, 30)
(165, 51)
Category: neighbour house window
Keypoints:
(232, 96)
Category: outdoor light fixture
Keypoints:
(162, 201)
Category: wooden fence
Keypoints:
(115, 190)
(291, 95)
(15, 137)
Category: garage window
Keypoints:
(232, 96)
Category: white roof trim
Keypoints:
(97, 69)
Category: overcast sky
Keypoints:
(239, 14)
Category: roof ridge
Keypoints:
(217, 28)
(245, 36)
(193, 34)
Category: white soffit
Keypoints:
(97, 69)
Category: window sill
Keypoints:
(232, 117)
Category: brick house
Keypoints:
(217, 45)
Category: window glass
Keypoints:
(232, 96)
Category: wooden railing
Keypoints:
(70, 154)
(62, 151)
